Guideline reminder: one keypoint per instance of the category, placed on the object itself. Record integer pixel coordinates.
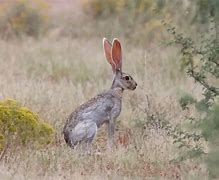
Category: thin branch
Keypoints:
(203, 83)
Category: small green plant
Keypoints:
(23, 17)
(19, 126)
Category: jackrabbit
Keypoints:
(83, 123)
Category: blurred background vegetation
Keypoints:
(139, 20)
(23, 17)
(188, 27)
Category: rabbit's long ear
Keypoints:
(117, 54)
(107, 48)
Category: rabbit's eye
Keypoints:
(127, 78)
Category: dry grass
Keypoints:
(54, 75)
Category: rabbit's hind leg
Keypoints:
(84, 132)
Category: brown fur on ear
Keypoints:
(117, 54)
(107, 48)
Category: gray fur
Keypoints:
(83, 123)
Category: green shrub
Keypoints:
(19, 126)
(205, 72)
(23, 17)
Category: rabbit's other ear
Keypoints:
(107, 48)
(117, 54)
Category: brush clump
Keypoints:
(19, 126)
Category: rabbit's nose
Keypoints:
(135, 85)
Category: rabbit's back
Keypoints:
(97, 109)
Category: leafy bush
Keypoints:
(19, 126)
(23, 17)
(205, 71)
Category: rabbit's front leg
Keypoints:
(111, 129)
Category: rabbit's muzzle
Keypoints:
(132, 84)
